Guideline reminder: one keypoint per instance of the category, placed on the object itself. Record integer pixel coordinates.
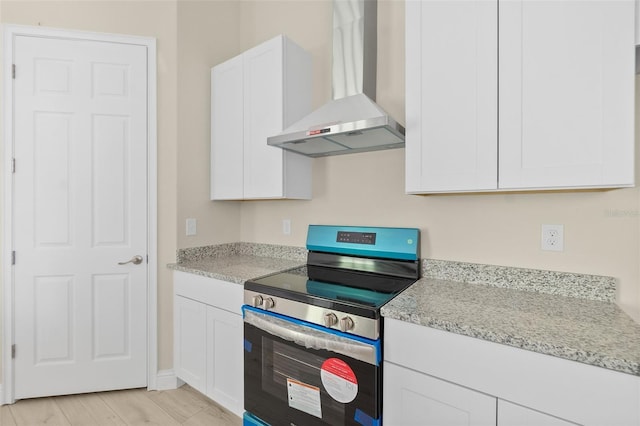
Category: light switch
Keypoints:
(286, 226)
(191, 226)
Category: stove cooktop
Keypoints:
(350, 270)
(348, 291)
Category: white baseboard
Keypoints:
(167, 379)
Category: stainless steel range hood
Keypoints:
(352, 122)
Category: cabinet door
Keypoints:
(225, 382)
(190, 342)
(451, 95)
(512, 414)
(566, 93)
(415, 399)
(227, 130)
(263, 106)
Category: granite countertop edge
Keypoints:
(226, 262)
(544, 339)
(238, 262)
(571, 354)
(208, 274)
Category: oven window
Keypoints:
(284, 384)
(283, 363)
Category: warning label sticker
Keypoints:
(339, 380)
(304, 397)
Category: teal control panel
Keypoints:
(365, 241)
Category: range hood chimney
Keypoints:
(352, 122)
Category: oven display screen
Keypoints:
(357, 237)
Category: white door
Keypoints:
(263, 108)
(227, 130)
(225, 359)
(452, 95)
(566, 93)
(190, 342)
(80, 208)
(416, 399)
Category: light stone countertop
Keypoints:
(594, 332)
(570, 316)
(238, 262)
(236, 268)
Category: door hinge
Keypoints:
(13, 165)
(13, 257)
(13, 351)
(13, 71)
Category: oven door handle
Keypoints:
(314, 338)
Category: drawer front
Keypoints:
(221, 294)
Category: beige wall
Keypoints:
(145, 18)
(602, 230)
(208, 33)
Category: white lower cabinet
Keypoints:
(512, 414)
(208, 338)
(434, 378)
(190, 336)
(414, 399)
(225, 359)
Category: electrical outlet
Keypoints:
(552, 237)
(286, 226)
(191, 226)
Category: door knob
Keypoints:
(136, 260)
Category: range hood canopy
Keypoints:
(352, 122)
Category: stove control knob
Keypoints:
(257, 301)
(330, 319)
(269, 303)
(346, 324)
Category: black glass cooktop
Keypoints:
(354, 291)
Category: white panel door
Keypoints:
(416, 399)
(190, 342)
(80, 207)
(225, 359)
(566, 93)
(263, 81)
(452, 95)
(227, 131)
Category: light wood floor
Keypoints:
(182, 406)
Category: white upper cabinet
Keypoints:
(542, 100)
(567, 71)
(227, 130)
(451, 95)
(253, 96)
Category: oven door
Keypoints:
(299, 374)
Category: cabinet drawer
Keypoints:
(221, 294)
